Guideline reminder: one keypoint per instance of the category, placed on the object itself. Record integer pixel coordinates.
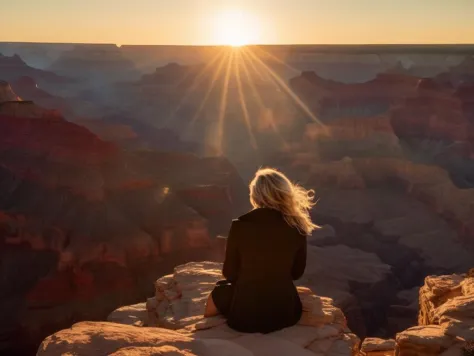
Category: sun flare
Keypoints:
(236, 28)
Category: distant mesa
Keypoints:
(38, 55)
(95, 62)
(12, 68)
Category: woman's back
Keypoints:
(266, 251)
(264, 256)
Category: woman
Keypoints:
(266, 251)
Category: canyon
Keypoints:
(119, 163)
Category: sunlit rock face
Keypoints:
(446, 318)
(83, 225)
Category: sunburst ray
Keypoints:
(287, 89)
(278, 60)
(243, 103)
(223, 105)
(257, 96)
(209, 90)
(196, 81)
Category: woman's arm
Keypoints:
(299, 263)
(232, 260)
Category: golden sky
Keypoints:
(201, 22)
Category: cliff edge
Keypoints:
(171, 323)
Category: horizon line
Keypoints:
(246, 45)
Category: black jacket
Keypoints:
(263, 257)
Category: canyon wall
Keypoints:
(117, 163)
(81, 221)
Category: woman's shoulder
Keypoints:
(259, 214)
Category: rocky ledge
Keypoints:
(445, 322)
(171, 323)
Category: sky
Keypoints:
(203, 22)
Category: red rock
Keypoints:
(90, 223)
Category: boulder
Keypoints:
(101, 338)
(377, 347)
(423, 340)
(130, 315)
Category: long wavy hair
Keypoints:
(272, 189)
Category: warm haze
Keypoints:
(129, 133)
(203, 22)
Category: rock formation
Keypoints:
(6, 93)
(377, 347)
(13, 68)
(28, 89)
(179, 304)
(38, 55)
(133, 134)
(446, 321)
(171, 322)
(14, 106)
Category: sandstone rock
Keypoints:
(100, 338)
(130, 315)
(462, 327)
(423, 340)
(321, 331)
(436, 291)
(152, 351)
(372, 345)
(468, 286)
(447, 303)
(186, 292)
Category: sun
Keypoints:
(236, 28)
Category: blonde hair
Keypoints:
(272, 189)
